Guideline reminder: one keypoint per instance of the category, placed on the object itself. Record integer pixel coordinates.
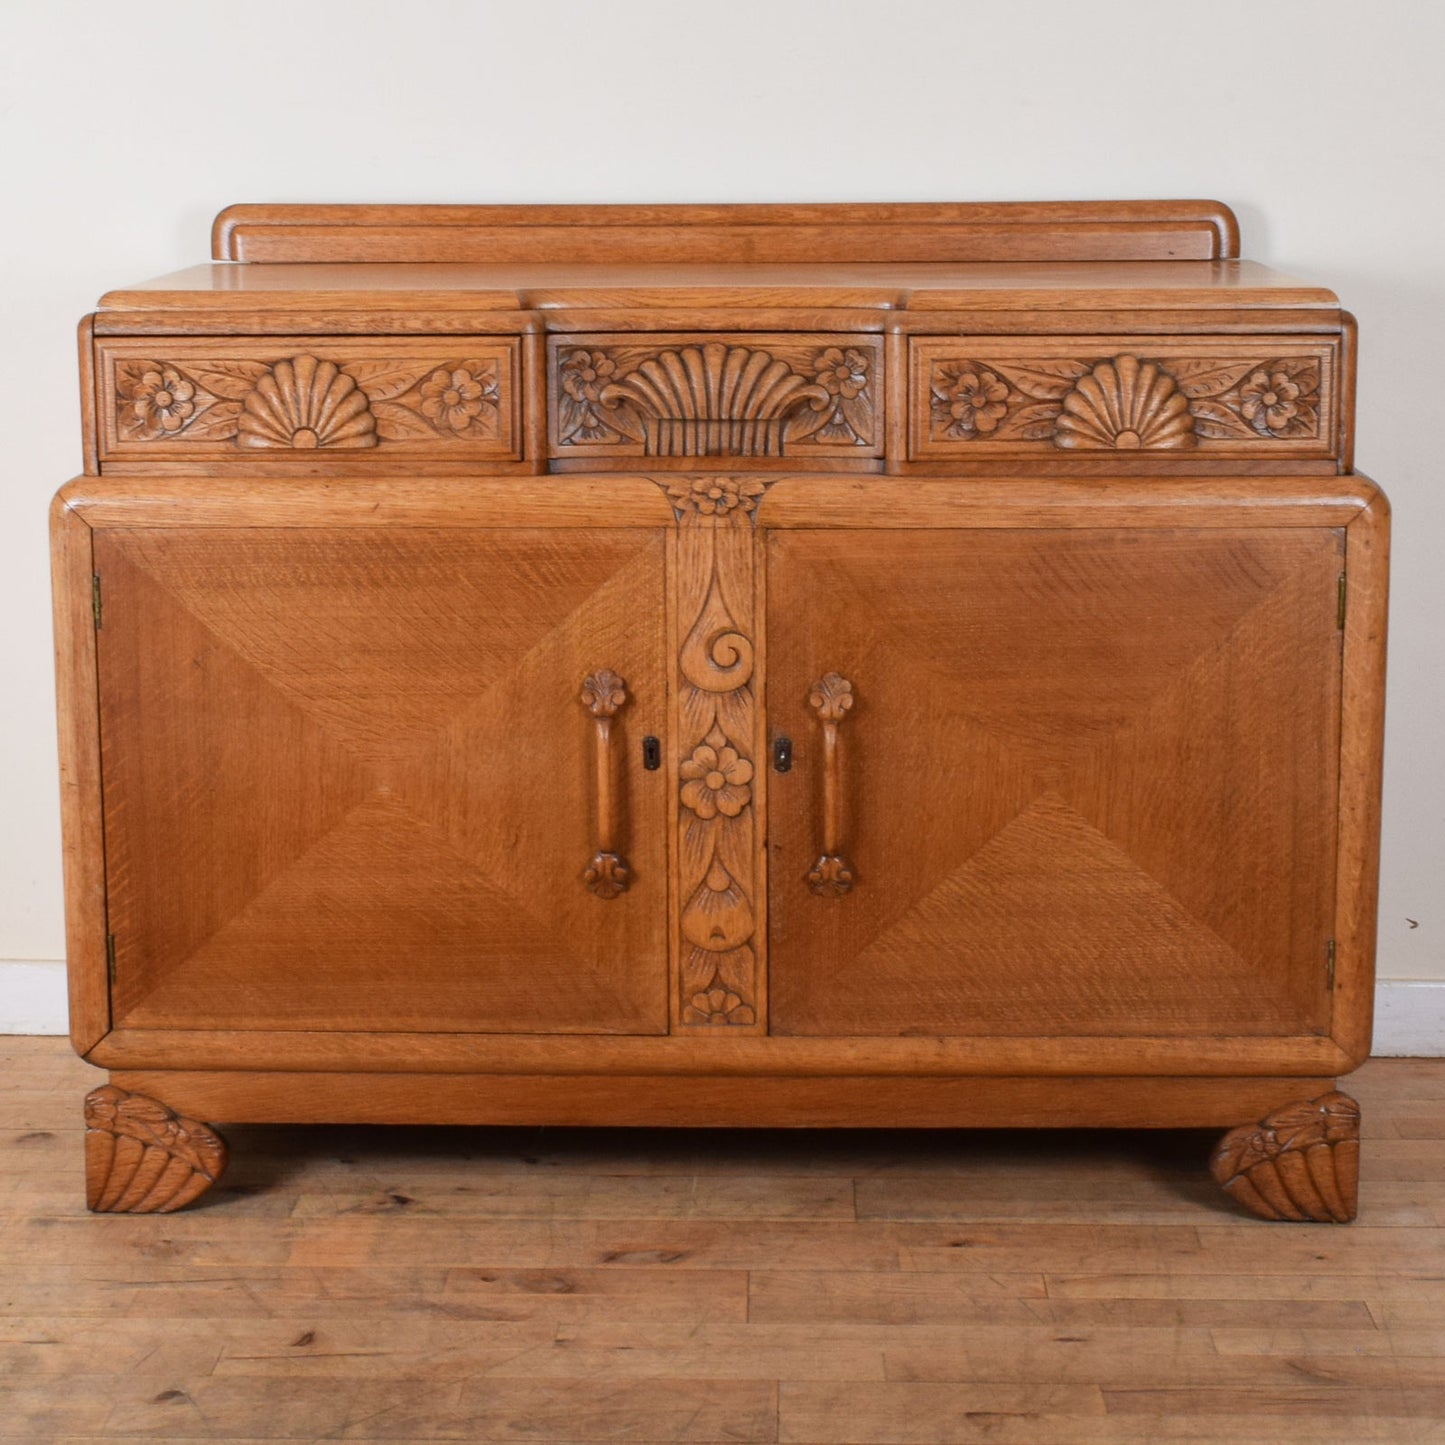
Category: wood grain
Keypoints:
(729, 1052)
(1065, 814)
(1362, 741)
(1031, 500)
(381, 1284)
(172, 499)
(754, 1099)
(1060, 489)
(83, 852)
(1111, 230)
(361, 862)
(89, 404)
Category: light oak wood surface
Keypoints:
(1088, 761)
(486, 287)
(722, 665)
(427, 1285)
(365, 859)
(1112, 230)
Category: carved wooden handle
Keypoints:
(603, 693)
(831, 697)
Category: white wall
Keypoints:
(124, 129)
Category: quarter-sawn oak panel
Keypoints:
(347, 783)
(1089, 781)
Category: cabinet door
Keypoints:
(1087, 785)
(349, 781)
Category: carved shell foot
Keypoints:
(1301, 1163)
(143, 1158)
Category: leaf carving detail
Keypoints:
(1042, 380)
(230, 379)
(399, 423)
(1215, 420)
(1198, 376)
(1034, 422)
(384, 380)
(217, 422)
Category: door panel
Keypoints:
(348, 782)
(1088, 782)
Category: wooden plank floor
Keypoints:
(565, 1285)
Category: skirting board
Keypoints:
(1410, 1018)
(1409, 1013)
(32, 998)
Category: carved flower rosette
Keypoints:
(307, 402)
(1124, 402)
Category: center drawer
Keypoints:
(753, 396)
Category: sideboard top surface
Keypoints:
(875, 260)
(219, 287)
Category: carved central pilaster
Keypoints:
(719, 959)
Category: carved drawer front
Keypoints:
(741, 396)
(255, 400)
(989, 396)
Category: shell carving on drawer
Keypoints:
(713, 398)
(1123, 401)
(1127, 404)
(310, 400)
(306, 403)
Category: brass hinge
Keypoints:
(95, 596)
(1330, 965)
(110, 957)
(1340, 605)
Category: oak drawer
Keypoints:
(1222, 396)
(201, 398)
(748, 395)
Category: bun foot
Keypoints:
(143, 1158)
(1301, 1163)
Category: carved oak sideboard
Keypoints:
(768, 665)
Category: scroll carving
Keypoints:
(717, 727)
(1300, 1163)
(306, 402)
(1123, 402)
(715, 399)
(143, 1158)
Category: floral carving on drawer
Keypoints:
(311, 399)
(747, 397)
(1125, 400)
